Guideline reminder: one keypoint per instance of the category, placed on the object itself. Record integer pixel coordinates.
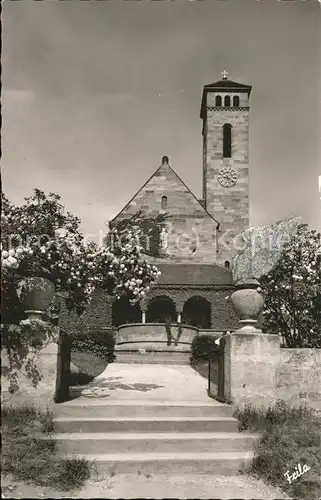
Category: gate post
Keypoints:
(251, 363)
(220, 382)
(63, 367)
(251, 359)
(218, 357)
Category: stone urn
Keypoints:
(247, 303)
(35, 293)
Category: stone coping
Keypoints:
(130, 325)
(202, 331)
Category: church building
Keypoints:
(200, 239)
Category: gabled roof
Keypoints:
(224, 85)
(157, 171)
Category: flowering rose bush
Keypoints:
(119, 267)
(41, 239)
(293, 291)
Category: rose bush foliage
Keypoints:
(40, 238)
(293, 291)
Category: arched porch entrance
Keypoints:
(197, 312)
(160, 309)
(124, 312)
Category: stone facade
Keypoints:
(229, 204)
(191, 231)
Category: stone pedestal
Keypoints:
(44, 393)
(251, 363)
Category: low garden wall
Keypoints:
(212, 333)
(299, 376)
(153, 333)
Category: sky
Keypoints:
(94, 93)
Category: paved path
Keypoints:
(133, 382)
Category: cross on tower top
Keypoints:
(224, 75)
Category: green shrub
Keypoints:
(28, 457)
(98, 342)
(203, 347)
(290, 436)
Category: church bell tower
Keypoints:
(225, 116)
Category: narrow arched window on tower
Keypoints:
(227, 140)
(236, 101)
(227, 265)
(164, 202)
(227, 101)
(218, 101)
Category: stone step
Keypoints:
(162, 358)
(148, 442)
(213, 463)
(145, 424)
(154, 347)
(136, 360)
(131, 409)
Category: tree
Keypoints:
(147, 228)
(39, 238)
(293, 291)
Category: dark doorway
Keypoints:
(160, 309)
(124, 312)
(197, 312)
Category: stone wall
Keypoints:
(211, 333)
(259, 372)
(299, 376)
(153, 334)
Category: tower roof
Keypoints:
(226, 84)
(223, 85)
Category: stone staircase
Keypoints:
(153, 437)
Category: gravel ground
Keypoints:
(139, 486)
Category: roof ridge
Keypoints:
(191, 192)
(133, 197)
(179, 178)
(226, 82)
